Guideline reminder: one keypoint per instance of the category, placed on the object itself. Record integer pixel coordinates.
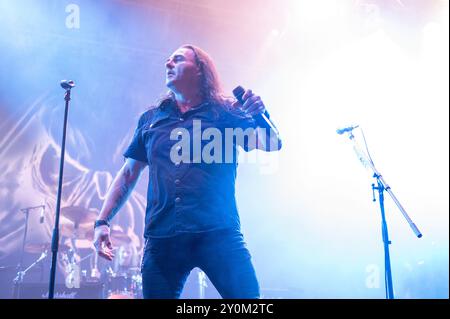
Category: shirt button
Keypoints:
(181, 119)
(177, 200)
(177, 182)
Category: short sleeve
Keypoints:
(136, 150)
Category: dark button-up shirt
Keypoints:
(187, 193)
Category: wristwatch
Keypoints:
(100, 222)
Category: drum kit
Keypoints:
(123, 281)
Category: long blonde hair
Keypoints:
(210, 84)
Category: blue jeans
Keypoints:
(221, 254)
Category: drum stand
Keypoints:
(20, 274)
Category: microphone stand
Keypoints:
(19, 278)
(67, 85)
(382, 186)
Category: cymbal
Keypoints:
(118, 236)
(36, 248)
(86, 231)
(82, 231)
(80, 215)
(83, 243)
(7, 267)
(119, 239)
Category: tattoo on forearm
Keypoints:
(119, 197)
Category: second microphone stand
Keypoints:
(382, 186)
(20, 273)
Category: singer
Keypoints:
(191, 218)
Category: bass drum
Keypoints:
(119, 287)
(124, 286)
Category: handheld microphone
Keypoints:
(341, 131)
(262, 120)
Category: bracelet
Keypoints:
(100, 222)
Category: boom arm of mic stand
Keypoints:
(396, 201)
(386, 187)
(21, 274)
